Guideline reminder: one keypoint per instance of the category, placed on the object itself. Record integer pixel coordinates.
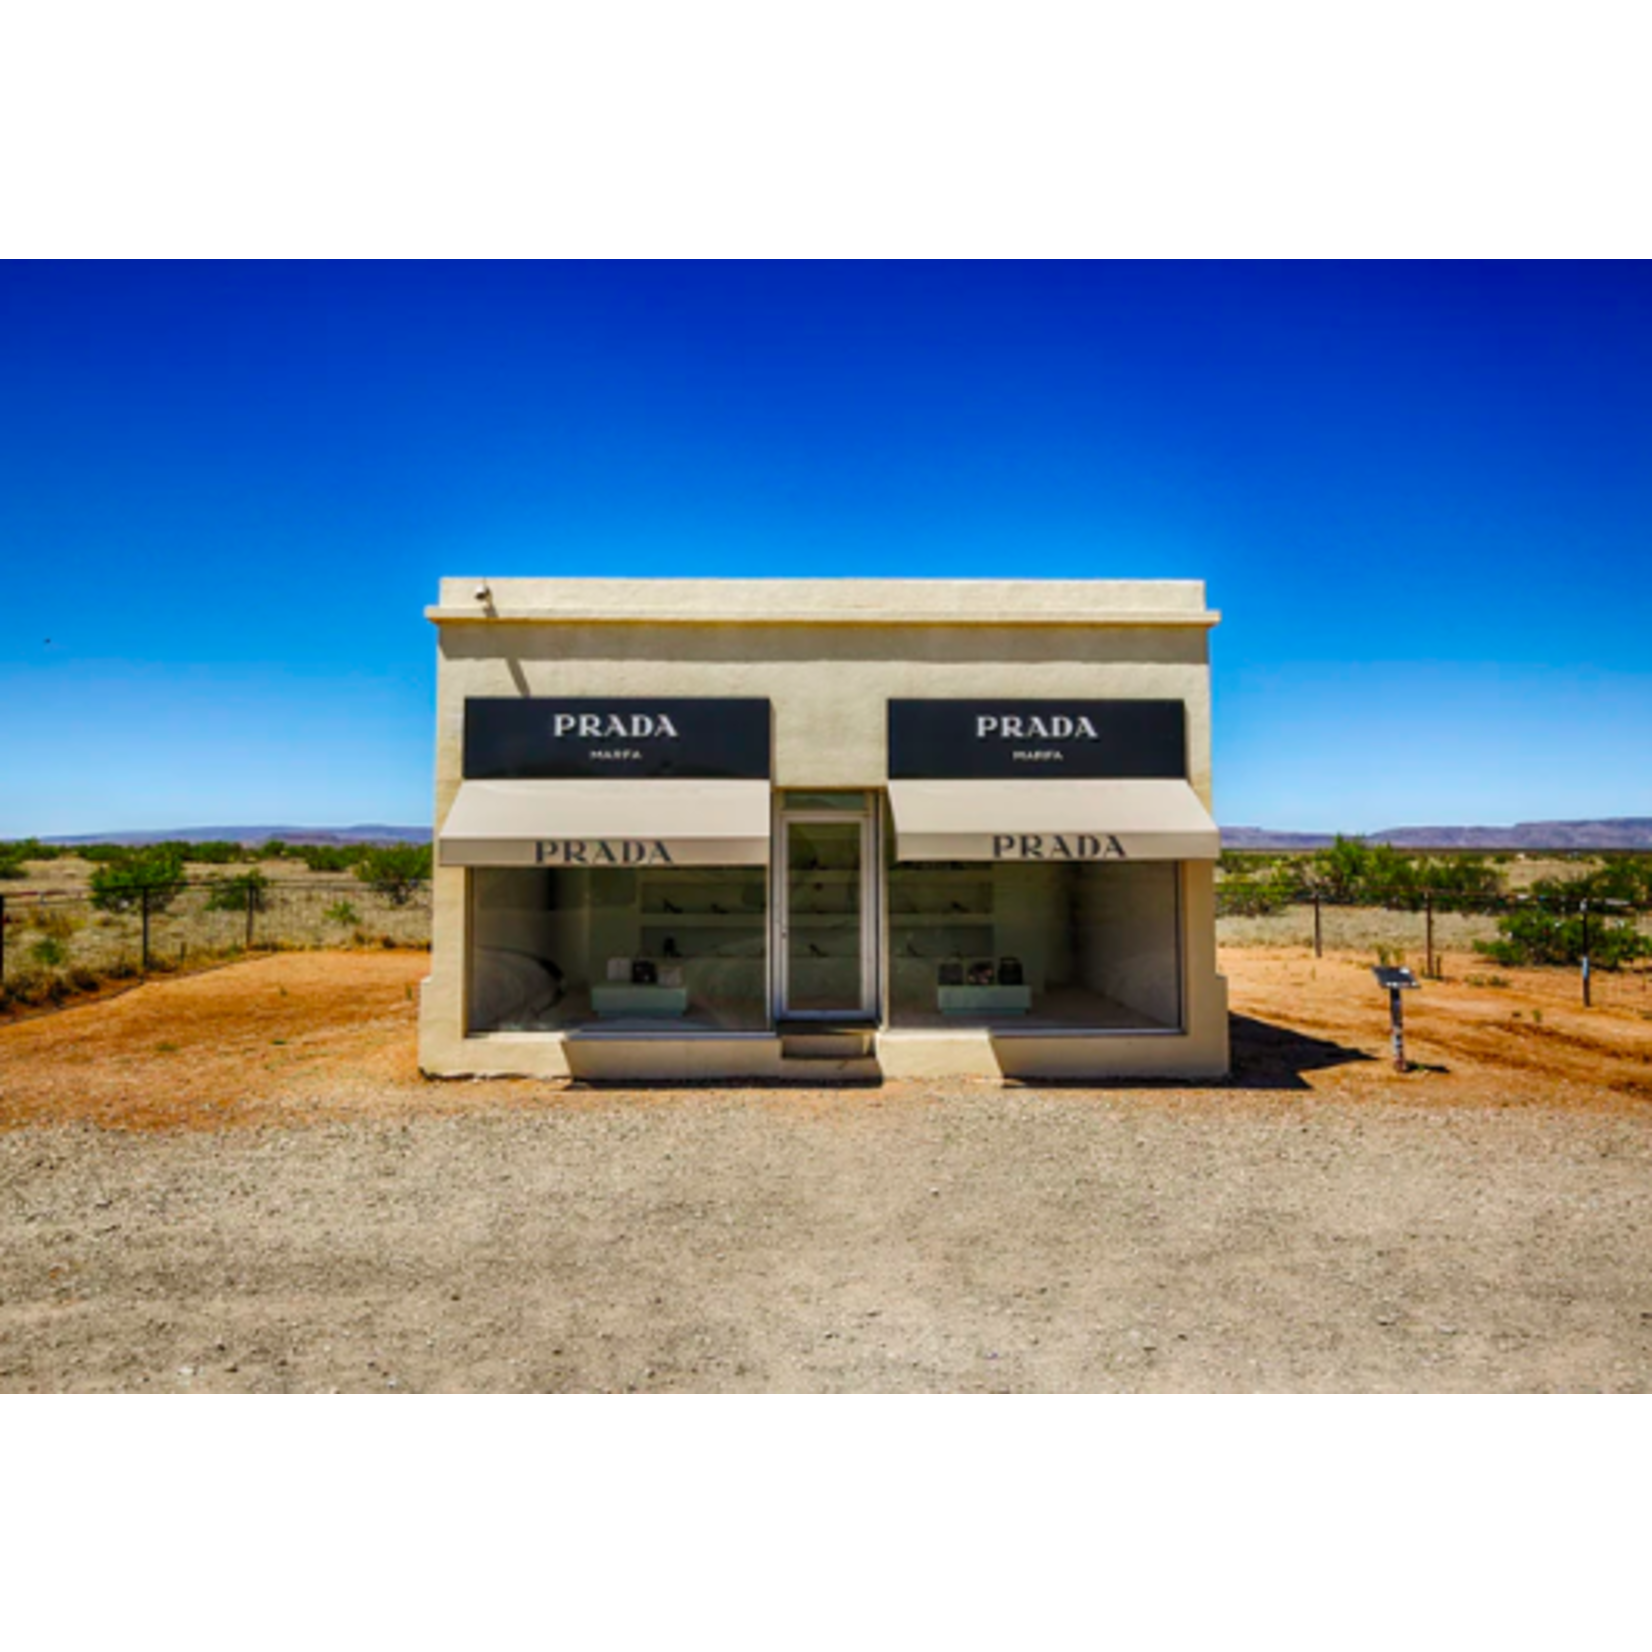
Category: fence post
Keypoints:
(144, 898)
(1428, 933)
(252, 901)
(2, 937)
(1585, 911)
(1319, 938)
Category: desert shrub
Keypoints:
(272, 849)
(36, 986)
(49, 952)
(1543, 935)
(1256, 896)
(214, 852)
(233, 894)
(342, 913)
(54, 921)
(14, 856)
(119, 885)
(1626, 879)
(331, 857)
(102, 854)
(1355, 873)
(1459, 883)
(1340, 872)
(396, 873)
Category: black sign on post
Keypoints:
(511, 739)
(1037, 740)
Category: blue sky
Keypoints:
(1419, 493)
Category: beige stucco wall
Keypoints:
(829, 655)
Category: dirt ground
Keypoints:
(237, 1180)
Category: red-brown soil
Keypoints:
(311, 1036)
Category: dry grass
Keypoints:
(59, 945)
(1358, 929)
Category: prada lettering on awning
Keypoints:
(573, 823)
(1051, 820)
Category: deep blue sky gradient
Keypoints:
(1420, 495)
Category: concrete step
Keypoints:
(826, 1041)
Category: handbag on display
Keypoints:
(981, 972)
(619, 969)
(951, 972)
(643, 973)
(1010, 973)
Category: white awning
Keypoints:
(607, 823)
(1054, 820)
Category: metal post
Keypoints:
(1428, 933)
(1586, 1003)
(144, 896)
(252, 901)
(1319, 938)
(1396, 1019)
(2, 937)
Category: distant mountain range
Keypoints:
(1530, 835)
(258, 834)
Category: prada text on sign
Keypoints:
(1057, 846)
(631, 739)
(603, 852)
(1037, 739)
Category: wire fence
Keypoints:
(57, 942)
(1603, 948)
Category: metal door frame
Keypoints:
(871, 866)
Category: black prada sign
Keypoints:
(1037, 739)
(513, 739)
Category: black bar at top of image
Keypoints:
(1037, 740)
(616, 739)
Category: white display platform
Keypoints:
(650, 1003)
(984, 1000)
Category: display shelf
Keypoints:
(680, 876)
(704, 920)
(941, 895)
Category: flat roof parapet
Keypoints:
(1164, 602)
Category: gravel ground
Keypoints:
(714, 1241)
(281, 1216)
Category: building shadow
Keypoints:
(1267, 1056)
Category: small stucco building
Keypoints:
(697, 829)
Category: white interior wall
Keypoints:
(1128, 933)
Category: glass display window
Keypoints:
(1035, 945)
(646, 949)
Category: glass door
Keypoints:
(826, 938)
